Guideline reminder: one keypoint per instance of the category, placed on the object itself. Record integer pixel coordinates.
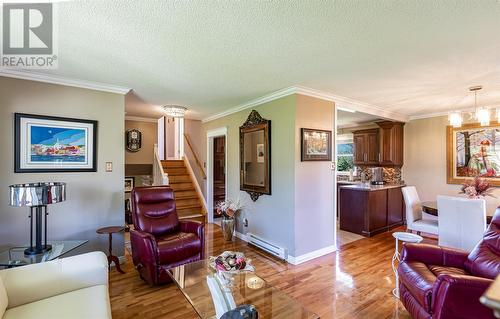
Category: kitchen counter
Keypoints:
(368, 187)
(348, 182)
(368, 210)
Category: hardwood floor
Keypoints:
(354, 282)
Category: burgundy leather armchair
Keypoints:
(160, 241)
(443, 283)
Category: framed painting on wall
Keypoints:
(129, 184)
(316, 145)
(45, 144)
(473, 150)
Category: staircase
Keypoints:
(187, 198)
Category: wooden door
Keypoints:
(385, 143)
(391, 143)
(219, 171)
(359, 141)
(395, 205)
(376, 215)
(372, 152)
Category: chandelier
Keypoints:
(480, 114)
(175, 110)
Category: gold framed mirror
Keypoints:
(255, 156)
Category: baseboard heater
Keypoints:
(266, 246)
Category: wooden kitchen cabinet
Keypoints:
(366, 147)
(391, 143)
(369, 210)
(379, 147)
(395, 207)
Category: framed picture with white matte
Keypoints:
(129, 184)
(44, 144)
(316, 145)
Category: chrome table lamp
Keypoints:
(37, 196)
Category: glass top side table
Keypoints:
(15, 257)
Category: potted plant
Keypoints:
(476, 188)
(229, 209)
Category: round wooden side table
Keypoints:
(110, 231)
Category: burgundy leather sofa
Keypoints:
(160, 241)
(443, 283)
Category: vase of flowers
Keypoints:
(476, 188)
(229, 209)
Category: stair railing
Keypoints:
(196, 159)
(159, 175)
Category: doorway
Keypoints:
(216, 169)
(219, 172)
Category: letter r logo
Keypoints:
(27, 28)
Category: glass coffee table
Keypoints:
(212, 294)
(15, 257)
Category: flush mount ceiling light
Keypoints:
(175, 110)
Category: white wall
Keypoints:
(271, 217)
(299, 214)
(194, 130)
(425, 160)
(314, 217)
(93, 199)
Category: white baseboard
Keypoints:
(302, 258)
(312, 255)
(241, 236)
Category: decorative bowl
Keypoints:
(232, 262)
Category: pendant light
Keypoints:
(482, 113)
(455, 119)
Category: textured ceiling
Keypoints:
(410, 57)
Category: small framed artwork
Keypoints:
(133, 140)
(129, 184)
(45, 144)
(316, 145)
(473, 150)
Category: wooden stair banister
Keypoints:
(159, 175)
(196, 159)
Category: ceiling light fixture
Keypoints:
(175, 110)
(479, 114)
(455, 118)
(482, 113)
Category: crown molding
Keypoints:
(261, 100)
(54, 79)
(427, 115)
(337, 99)
(438, 114)
(140, 119)
(352, 104)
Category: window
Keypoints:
(345, 150)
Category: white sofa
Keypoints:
(74, 287)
